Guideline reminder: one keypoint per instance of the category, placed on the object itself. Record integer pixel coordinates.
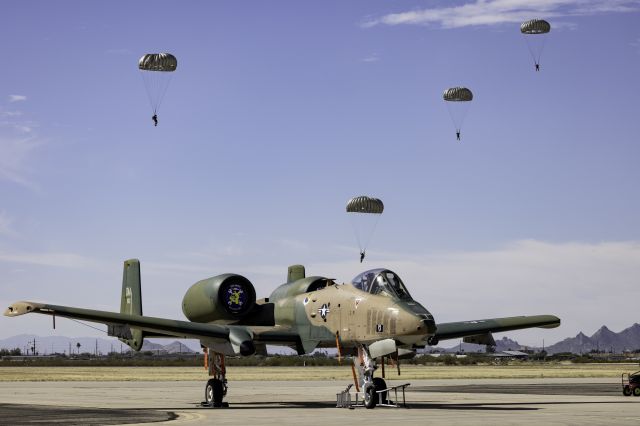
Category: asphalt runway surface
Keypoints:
(473, 402)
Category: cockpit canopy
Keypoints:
(381, 281)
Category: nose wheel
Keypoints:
(370, 395)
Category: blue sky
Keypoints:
(279, 112)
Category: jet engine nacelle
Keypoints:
(224, 297)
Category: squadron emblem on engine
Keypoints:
(235, 297)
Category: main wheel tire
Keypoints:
(214, 392)
(636, 391)
(380, 384)
(626, 391)
(370, 395)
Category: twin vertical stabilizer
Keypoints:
(131, 303)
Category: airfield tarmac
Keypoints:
(589, 401)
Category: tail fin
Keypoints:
(131, 302)
(295, 272)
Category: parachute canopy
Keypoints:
(538, 28)
(457, 94)
(458, 100)
(535, 26)
(157, 69)
(364, 213)
(364, 204)
(158, 62)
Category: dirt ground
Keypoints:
(517, 371)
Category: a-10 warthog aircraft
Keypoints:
(371, 318)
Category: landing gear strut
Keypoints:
(216, 388)
(366, 366)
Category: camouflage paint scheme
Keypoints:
(304, 313)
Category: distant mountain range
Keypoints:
(603, 340)
(46, 345)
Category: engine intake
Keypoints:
(224, 297)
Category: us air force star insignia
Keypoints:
(324, 311)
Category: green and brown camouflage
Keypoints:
(304, 313)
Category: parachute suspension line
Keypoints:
(458, 112)
(163, 90)
(156, 87)
(536, 55)
(542, 44)
(364, 240)
(148, 86)
(373, 230)
(355, 231)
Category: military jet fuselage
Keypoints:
(376, 306)
(372, 317)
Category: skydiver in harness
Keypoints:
(362, 256)
(155, 119)
(458, 134)
(537, 67)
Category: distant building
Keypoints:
(511, 355)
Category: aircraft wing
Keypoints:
(454, 330)
(150, 325)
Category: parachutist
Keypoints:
(364, 212)
(157, 69)
(457, 100)
(537, 67)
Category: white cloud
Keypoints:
(586, 285)
(14, 153)
(50, 259)
(494, 12)
(5, 224)
(17, 98)
(18, 141)
(371, 58)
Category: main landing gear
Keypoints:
(216, 388)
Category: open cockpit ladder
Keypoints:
(347, 399)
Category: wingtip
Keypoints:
(21, 308)
(553, 320)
